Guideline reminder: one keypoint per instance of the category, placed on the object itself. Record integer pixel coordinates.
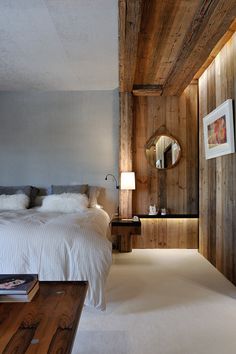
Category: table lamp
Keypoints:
(127, 180)
(127, 184)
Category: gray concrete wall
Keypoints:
(60, 138)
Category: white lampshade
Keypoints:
(127, 180)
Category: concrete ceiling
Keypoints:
(58, 45)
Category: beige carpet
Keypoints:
(162, 302)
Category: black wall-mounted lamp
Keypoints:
(114, 179)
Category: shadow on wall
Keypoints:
(108, 199)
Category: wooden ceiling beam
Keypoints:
(163, 28)
(130, 13)
(210, 23)
(226, 37)
(147, 90)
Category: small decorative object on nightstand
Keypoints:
(153, 210)
(124, 229)
(163, 211)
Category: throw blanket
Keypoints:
(58, 246)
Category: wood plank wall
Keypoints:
(217, 223)
(177, 188)
(167, 233)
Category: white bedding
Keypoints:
(58, 246)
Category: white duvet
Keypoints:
(58, 246)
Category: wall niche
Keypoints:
(176, 188)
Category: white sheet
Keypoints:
(58, 246)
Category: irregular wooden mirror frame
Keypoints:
(163, 151)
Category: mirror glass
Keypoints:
(163, 151)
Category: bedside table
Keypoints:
(124, 229)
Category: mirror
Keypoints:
(163, 151)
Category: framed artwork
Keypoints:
(218, 129)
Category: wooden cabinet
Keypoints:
(124, 229)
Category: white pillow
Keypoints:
(65, 202)
(14, 202)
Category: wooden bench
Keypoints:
(45, 325)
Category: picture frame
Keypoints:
(218, 129)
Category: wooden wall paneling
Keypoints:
(151, 235)
(162, 233)
(192, 232)
(188, 233)
(173, 234)
(157, 118)
(211, 170)
(166, 188)
(185, 157)
(228, 169)
(232, 44)
(167, 233)
(219, 180)
(217, 223)
(152, 173)
(158, 237)
(177, 233)
(192, 178)
(203, 185)
(139, 160)
(176, 188)
(208, 173)
(183, 236)
(219, 244)
(162, 200)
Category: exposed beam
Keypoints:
(147, 90)
(130, 13)
(210, 23)
(126, 150)
(163, 28)
(226, 37)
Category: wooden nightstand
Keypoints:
(124, 229)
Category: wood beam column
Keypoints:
(126, 149)
(130, 13)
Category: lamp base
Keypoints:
(117, 213)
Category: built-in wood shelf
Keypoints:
(168, 216)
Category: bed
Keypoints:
(58, 245)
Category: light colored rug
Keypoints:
(162, 302)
